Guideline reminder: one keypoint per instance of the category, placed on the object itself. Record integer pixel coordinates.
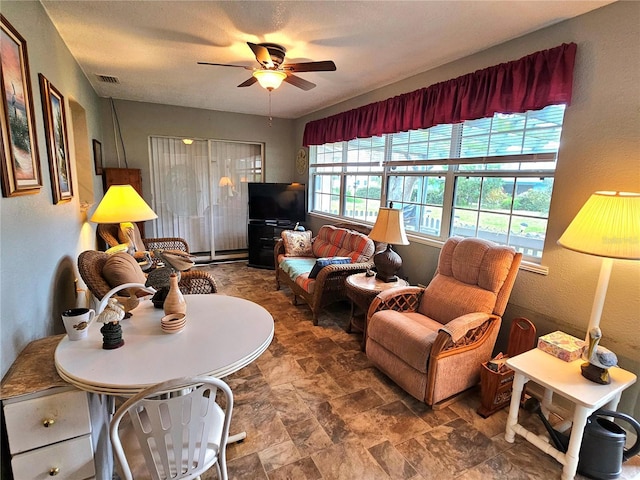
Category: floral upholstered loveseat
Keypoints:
(315, 269)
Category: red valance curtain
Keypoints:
(530, 83)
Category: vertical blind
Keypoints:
(181, 193)
(236, 162)
(191, 198)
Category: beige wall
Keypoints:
(40, 241)
(600, 150)
(138, 121)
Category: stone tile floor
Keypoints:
(313, 407)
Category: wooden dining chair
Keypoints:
(177, 427)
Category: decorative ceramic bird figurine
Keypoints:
(600, 359)
(174, 262)
(177, 260)
(112, 313)
(111, 330)
(159, 278)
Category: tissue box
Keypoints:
(561, 345)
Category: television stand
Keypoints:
(262, 238)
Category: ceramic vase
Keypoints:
(174, 302)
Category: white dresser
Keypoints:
(47, 421)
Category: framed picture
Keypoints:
(20, 163)
(55, 123)
(97, 156)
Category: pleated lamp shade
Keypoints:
(120, 204)
(389, 228)
(608, 225)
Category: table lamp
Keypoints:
(607, 226)
(226, 182)
(122, 204)
(389, 228)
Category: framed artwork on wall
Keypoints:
(55, 123)
(20, 163)
(97, 156)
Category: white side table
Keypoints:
(562, 378)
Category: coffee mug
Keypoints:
(77, 321)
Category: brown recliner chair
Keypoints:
(432, 341)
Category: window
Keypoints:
(490, 178)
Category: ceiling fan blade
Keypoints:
(248, 82)
(299, 82)
(225, 65)
(262, 54)
(324, 66)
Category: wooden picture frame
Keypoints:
(20, 163)
(97, 156)
(55, 123)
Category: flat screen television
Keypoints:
(277, 202)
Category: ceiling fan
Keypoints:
(272, 71)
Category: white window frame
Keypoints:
(344, 168)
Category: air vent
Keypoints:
(108, 79)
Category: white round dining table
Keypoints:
(222, 335)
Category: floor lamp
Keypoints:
(607, 226)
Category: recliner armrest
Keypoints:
(463, 332)
(459, 327)
(403, 299)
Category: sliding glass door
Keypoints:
(200, 192)
(233, 164)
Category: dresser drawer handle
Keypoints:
(54, 471)
(48, 422)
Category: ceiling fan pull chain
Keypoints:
(270, 117)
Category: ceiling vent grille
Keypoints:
(108, 78)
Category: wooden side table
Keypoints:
(361, 290)
(50, 429)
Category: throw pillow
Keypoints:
(121, 268)
(297, 244)
(323, 262)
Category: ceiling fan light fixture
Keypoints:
(269, 79)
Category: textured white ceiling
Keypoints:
(153, 46)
